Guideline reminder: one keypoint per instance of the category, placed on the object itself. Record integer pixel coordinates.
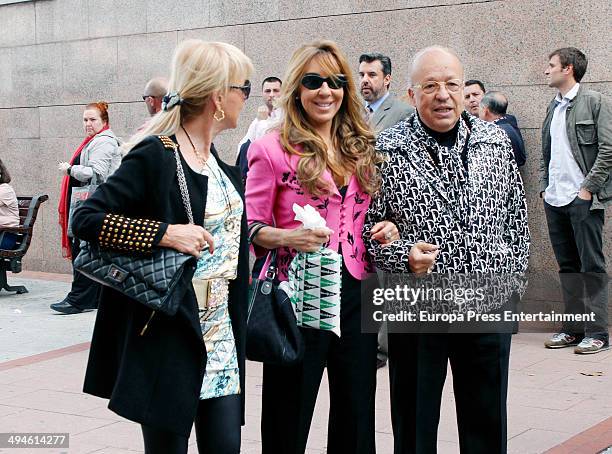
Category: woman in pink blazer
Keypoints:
(323, 155)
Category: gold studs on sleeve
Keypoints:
(127, 234)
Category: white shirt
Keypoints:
(260, 128)
(564, 176)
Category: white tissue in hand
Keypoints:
(309, 216)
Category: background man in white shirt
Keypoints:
(267, 116)
(576, 186)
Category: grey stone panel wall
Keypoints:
(116, 17)
(17, 24)
(89, 71)
(177, 15)
(58, 55)
(66, 20)
(36, 76)
(139, 57)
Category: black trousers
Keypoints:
(417, 370)
(84, 292)
(217, 429)
(290, 393)
(576, 237)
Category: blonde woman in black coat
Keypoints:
(168, 372)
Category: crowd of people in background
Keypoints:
(403, 185)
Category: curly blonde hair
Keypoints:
(352, 138)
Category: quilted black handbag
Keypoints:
(273, 336)
(158, 280)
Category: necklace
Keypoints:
(228, 221)
(199, 157)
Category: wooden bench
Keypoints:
(10, 260)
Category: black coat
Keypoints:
(155, 378)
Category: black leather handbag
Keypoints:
(158, 280)
(273, 336)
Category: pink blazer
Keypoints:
(272, 188)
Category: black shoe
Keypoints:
(380, 363)
(65, 308)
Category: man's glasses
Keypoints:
(246, 88)
(452, 86)
(144, 97)
(313, 81)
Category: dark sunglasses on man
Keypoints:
(313, 81)
(246, 88)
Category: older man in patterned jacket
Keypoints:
(451, 187)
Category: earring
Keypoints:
(222, 115)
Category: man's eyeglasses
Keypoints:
(246, 88)
(313, 81)
(144, 97)
(452, 86)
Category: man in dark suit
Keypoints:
(383, 109)
(493, 108)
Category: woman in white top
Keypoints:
(9, 209)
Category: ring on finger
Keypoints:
(388, 236)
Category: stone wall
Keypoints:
(58, 55)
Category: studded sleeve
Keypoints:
(123, 213)
(127, 234)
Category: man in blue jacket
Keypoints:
(493, 108)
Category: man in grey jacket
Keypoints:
(576, 186)
(383, 109)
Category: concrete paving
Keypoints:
(28, 326)
(558, 401)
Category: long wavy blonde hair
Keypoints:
(199, 69)
(352, 138)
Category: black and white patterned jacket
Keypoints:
(477, 217)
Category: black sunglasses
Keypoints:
(246, 88)
(313, 81)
